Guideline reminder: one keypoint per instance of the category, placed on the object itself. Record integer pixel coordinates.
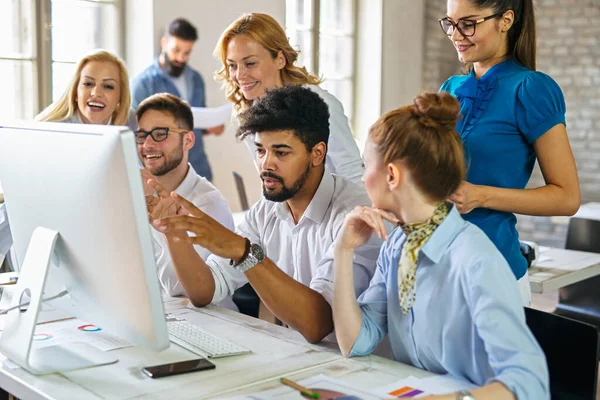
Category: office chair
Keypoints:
(581, 300)
(571, 349)
(241, 189)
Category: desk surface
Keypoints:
(277, 352)
(364, 373)
(560, 267)
(589, 211)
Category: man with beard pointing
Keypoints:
(170, 74)
(284, 247)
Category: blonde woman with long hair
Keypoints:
(98, 93)
(256, 57)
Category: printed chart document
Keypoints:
(326, 387)
(209, 117)
(414, 388)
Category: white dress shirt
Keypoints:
(5, 235)
(304, 251)
(200, 192)
(343, 157)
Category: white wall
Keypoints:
(369, 42)
(210, 17)
(139, 28)
(403, 42)
(390, 48)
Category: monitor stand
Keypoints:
(19, 329)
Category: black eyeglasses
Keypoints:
(466, 27)
(157, 134)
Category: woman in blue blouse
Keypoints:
(511, 115)
(442, 290)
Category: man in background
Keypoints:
(170, 73)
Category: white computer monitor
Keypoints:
(82, 182)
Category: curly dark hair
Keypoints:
(293, 108)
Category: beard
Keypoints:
(175, 158)
(172, 69)
(286, 193)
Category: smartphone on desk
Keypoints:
(180, 367)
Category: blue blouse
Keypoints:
(467, 319)
(504, 112)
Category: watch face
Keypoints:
(257, 252)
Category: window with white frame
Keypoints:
(17, 59)
(324, 32)
(46, 38)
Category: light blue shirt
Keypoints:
(155, 80)
(467, 319)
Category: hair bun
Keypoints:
(437, 110)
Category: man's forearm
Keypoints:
(193, 274)
(298, 306)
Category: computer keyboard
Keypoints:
(197, 340)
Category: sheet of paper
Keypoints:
(75, 330)
(412, 387)
(209, 117)
(407, 388)
(568, 260)
(326, 387)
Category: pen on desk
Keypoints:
(305, 391)
(12, 281)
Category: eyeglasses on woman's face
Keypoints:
(466, 27)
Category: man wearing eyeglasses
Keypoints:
(164, 138)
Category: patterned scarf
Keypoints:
(417, 235)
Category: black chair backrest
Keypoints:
(241, 189)
(583, 235)
(571, 349)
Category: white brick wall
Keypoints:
(568, 51)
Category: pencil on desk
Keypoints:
(301, 389)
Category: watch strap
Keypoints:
(244, 256)
(465, 395)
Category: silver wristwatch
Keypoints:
(465, 395)
(255, 256)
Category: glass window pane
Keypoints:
(61, 77)
(298, 14)
(336, 56)
(337, 15)
(96, 25)
(304, 45)
(18, 94)
(16, 28)
(342, 89)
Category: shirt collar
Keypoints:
(444, 235)
(500, 69)
(187, 185)
(318, 206)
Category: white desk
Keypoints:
(589, 211)
(277, 352)
(559, 268)
(364, 372)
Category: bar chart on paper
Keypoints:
(406, 392)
